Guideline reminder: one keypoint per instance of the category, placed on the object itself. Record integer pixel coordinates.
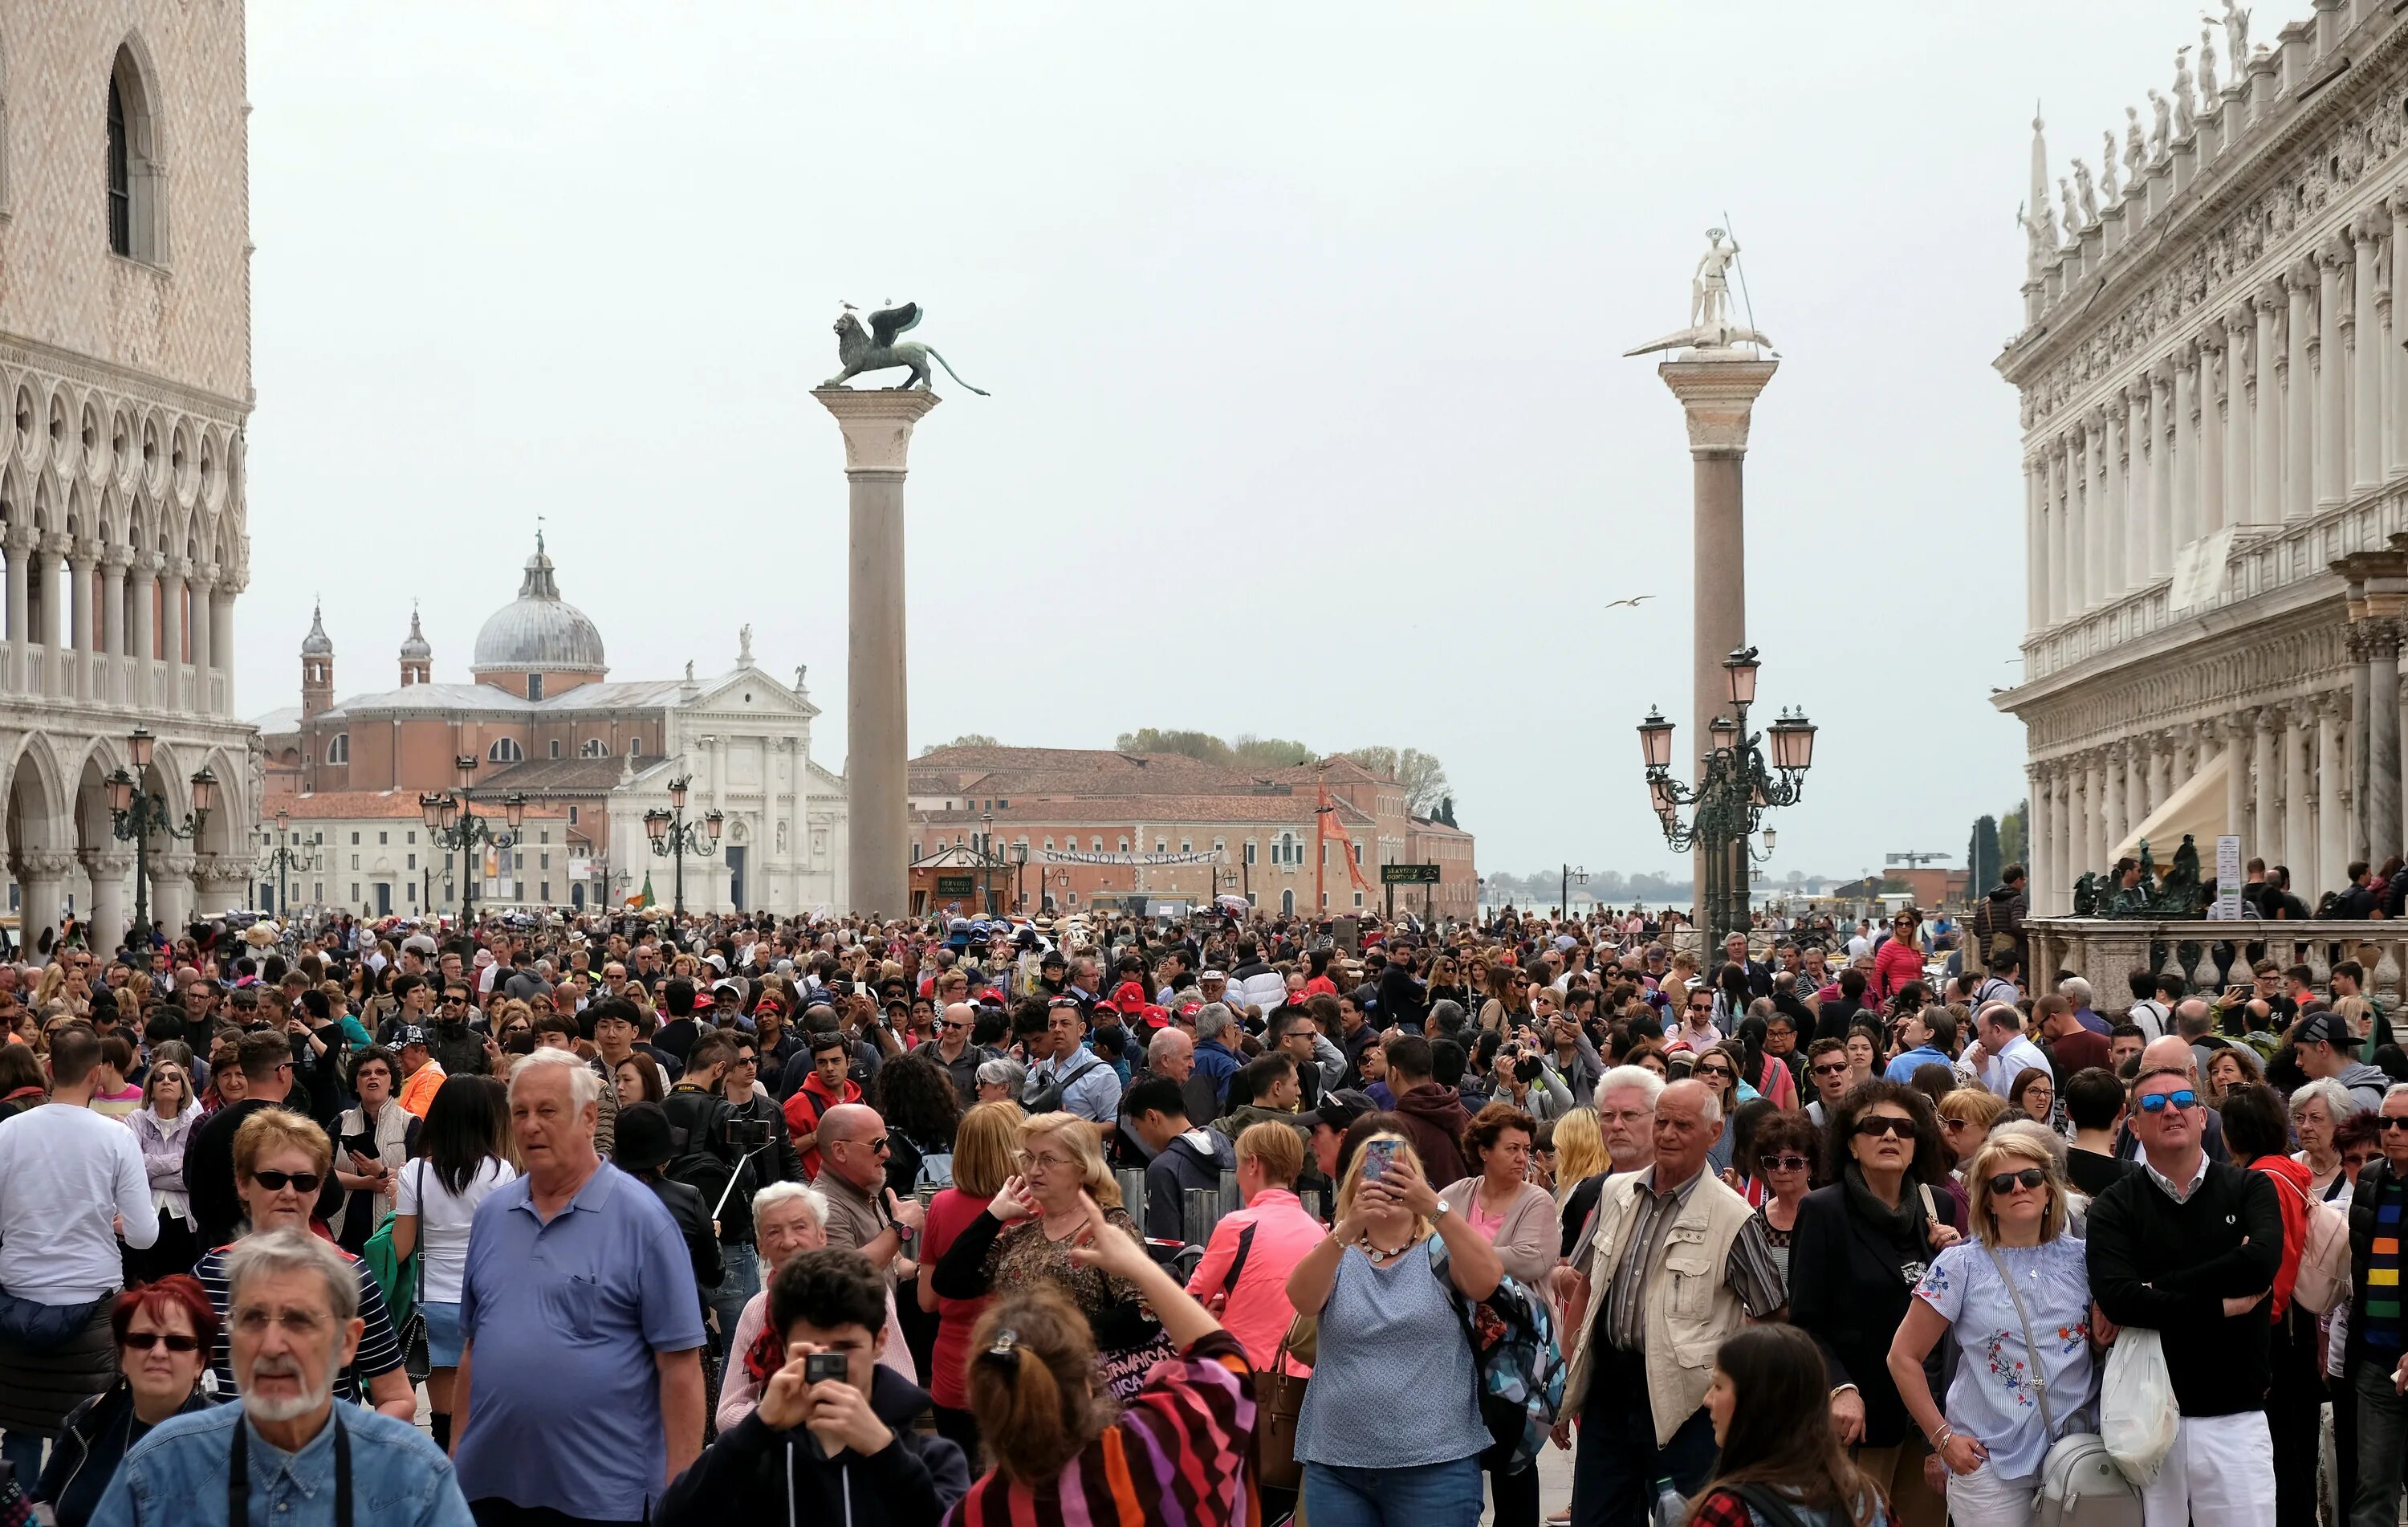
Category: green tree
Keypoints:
(1248, 751)
(968, 739)
(1424, 777)
(1200, 745)
(1982, 856)
(2012, 835)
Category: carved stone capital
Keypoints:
(1717, 398)
(875, 424)
(116, 559)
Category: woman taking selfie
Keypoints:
(1388, 1328)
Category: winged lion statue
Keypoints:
(874, 349)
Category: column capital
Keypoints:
(178, 567)
(83, 550)
(44, 864)
(2271, 297)
(2369, 227)
(114, 558)
(2396, 202)
(1717, 398)
(55, 543)
(2306, 276)
(875, 424)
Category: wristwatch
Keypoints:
(1439, 1213)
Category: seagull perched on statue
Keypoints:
(1634, 601)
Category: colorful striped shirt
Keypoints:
(1180, 1456)
(2382, 1327)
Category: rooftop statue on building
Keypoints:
(2207, 92)
(2185, 110)
(2072, 213)
(2136, 152)
(2107, 167)
(2162, 134)
(2086, 193)
(2236, 36)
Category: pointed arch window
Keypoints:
(137, 223)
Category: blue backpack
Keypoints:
(1517, 1363)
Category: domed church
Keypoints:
(588, 757)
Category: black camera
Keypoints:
(824, 1367)
(748, 1133)
(1526, 1069)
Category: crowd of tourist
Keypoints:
(741, 1220)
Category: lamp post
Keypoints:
(1564, 905)
(674, 837)
(1019, 877)
(134, 812)
(1729, 801)
(453, 823)
(283, 858)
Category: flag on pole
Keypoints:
(1332, 827)
(644, 898)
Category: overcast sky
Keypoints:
(1304, 329)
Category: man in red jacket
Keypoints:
(825, 1087)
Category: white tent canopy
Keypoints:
(2196, 808)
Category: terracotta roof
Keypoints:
(1153, 809)
(355, 805)
(560, 776)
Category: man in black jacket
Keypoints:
(2189, 1248)
(266, 1061)
(2374, 1357)
(840, 1450)
(1184, 1155)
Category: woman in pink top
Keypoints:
(1899, 959)
(983, 1144)
(1243, 1276)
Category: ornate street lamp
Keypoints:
(135, 812)
(283, 858)
(1728, 803)
(674, 837)
(453, 826)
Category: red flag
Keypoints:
(1332, 827)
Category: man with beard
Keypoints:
(294, 1325)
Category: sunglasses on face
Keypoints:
(276, 1182)
(1830, 1068)
(1718, 1073)
(143, 1341)
(1787, 1163)
(2007, 1182)
(2391, 1123)
(1888, 1124)
(2157, 1103)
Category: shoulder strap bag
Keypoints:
(2080, 1483)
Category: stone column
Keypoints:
(108, 872)
(2240, 465)
(2186, 521)
(171, 891)
(2112, 462)
(2366, 434)
(877, 430)
(2035, 547)
(2161, 768)
(2266, 503)
(171, 618)
(81, 554)
(47, 556)
(2213, 382)
(41, 880)
(2139, 496)
(2072, 850)
(2265, 836)
(2299, 826)
(111, 690)
(2395, 371)
(2361, 729)
(205, 581)
(2300, 451)
(2096, 845)
(2036, 835)
(20, 545)
(2082, 568)
(2114, 822)
(2232, 739)
(222, 641)
(142, 592)
(2332, 820)
(2382, 739)
(2162, 469)
(2333, 369)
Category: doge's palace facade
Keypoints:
(124, 385)
(2215, 404)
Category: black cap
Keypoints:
(409, 1034)
(2324, 1028)
(1338, 1110)
(642, 1137)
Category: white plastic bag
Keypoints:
(2137, 1414)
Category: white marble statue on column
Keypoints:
(2136, 152)
(2236, 36)
(744, 645)
(2207, 91)
(2185, 107)
(2086, 193)
(2074, 224)
(1710, 323)
(2107, 169)
(2161, 134)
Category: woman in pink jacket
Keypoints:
(1243, 1276)
(1899, 959)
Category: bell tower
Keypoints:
(417, 655)
(317, 667)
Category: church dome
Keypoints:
(317, 643)
(416, 644)
(538, 630)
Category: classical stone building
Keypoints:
(543, 720)
(2215, 404)
(126, 381)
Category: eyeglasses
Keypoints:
(143, 1341)
(1030, 1163)
(1830, 1068)
(1888, 1124)
(2391, 1123)
(1787, 1163)
(1723, 1072)
(298, 1324)
(452, 1000)
(276, 1182)
(2006, 1182)
(2157, 1103)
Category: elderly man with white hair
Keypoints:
(287, 1453)
(580, 1385)
(2000, 1053)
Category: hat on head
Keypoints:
(484, 957)
(2324, 1028)
(1213, 975)
(1338, 1110)
(1053, 958)
(1157, 1015)
(642, 1138)
(410, 1034)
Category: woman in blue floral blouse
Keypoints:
(2016, 1365)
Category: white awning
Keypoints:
(2196, 808)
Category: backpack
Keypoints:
(2323, 1279)
(936, 1168)
(1048, 1097)
(1516, 1364)
(397, 1276)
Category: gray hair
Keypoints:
(1638, 1076)
(2397, 1090)
(789, 1192)
(1445, 1016)
(1210, 1020)
(2075, 990)
(584, 1087)
(283, 1251)
(1010, 1073)
(2340, 1102)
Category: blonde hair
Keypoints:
(1277, 1147)
(1095, 1176)
(2012, 1145)
(274, 1129)
(983, 1142)
(1580, 1151)
(1978, 1104)
(1354, 1180)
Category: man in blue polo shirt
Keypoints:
(581, 1392)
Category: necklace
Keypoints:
(1379, 1257)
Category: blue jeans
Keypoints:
(1336, 1495)
(741, 1281)
(23, 1451)
(1617, 1463)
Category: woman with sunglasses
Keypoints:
(280, 1162)
(164, 1332)
(1719, 1068)
(2015, 1299)
(164, 1127)
(1783, 1153)
(1860, 1246)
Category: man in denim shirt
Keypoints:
(288, 1453)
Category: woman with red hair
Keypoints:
(164, 1333)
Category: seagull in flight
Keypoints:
(1634, 601)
